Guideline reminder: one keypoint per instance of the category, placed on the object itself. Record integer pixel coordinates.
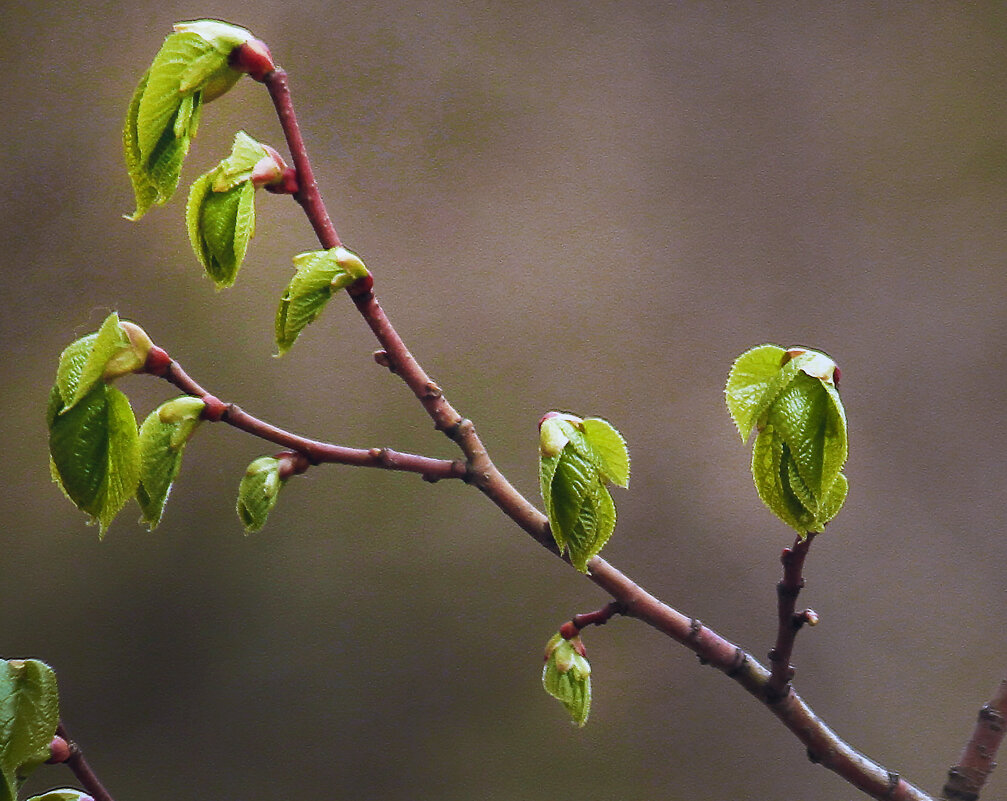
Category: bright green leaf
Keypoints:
(755, 379)
(580, 510)
(318, 275)
(802, 441)
(190, 68)
(237, 168)
(258, 491)
(163, 435)
(29, 713)
(95, 451)
(220, 227)
(82, 364)
(610, 454)
(770, 464)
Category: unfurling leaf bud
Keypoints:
(132, 358)
(567, 676)
(577, 457)
(220, 213)
(163, 436)
(790, 398)
(191, 68)
(319, 274)
(258, 491)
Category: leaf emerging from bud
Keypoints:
(567, 676)
(790, 398)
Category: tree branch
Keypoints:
(159, 363)
(81, 769)
(789, 624)
(823, 745)
(966, 779)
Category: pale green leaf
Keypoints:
(318, 275)
(220, 225)
(546, 472)
(144, 187)
(159, 104)
(29, 713)
(95, 451)
(609, 452)
(833, 502)
(82, 364)
(566, 676)
(162, 442)
(237, 168)
(751, 383)
(807, 418)
(258, 492)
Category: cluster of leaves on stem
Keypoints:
(790, 398)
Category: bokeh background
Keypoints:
(592, 206)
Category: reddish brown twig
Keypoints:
(600, 617)
(789, 622)
(81, 769)
(966, 779)
(314, 451)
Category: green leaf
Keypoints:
(95, 451)
(567, 677)
(145, 188)
(237, 168)
(82, 364)
(258, 491)
(608, 450)
(770, 469)
(190, 68)
(29, 713)
(162, 439)
(318, 275)
(580, 510)
(220, 227)
(756, 378)
(801, 446)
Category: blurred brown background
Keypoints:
(592, 206)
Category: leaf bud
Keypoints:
(350, 262)
(133, 357)
(553, 435)
(59, 750)
(567, 677)
(184, 408)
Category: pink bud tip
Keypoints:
(59, 750)
(548, 416)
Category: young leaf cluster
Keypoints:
(567, 676)
(790, 398)
(98, 456)
(190, 69)
(220, 213)
(577, 458)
